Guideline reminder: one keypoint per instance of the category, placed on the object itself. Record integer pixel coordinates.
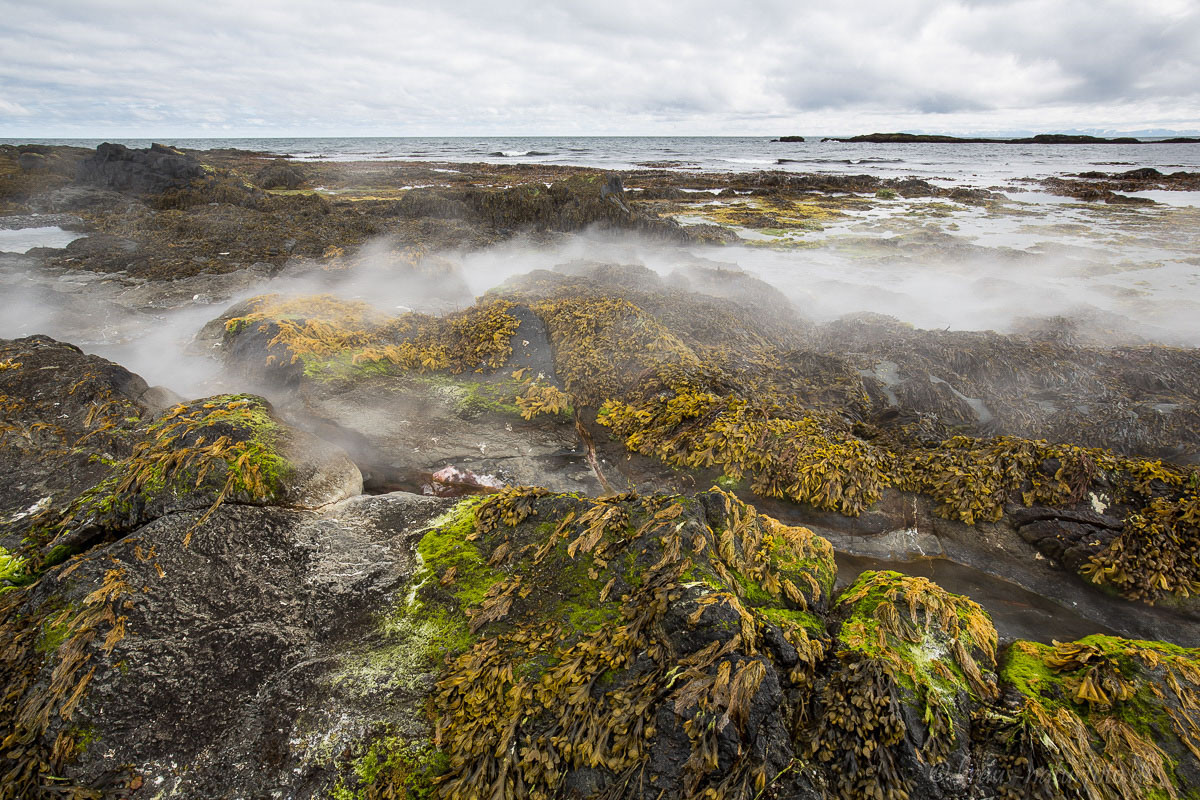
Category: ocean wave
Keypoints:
(518, 153)
(839, 161)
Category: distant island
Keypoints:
(1041, 138)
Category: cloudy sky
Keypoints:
(638, 67)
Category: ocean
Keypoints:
(979, 165)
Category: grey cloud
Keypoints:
(629, 66)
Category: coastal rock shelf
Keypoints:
(594, 530)
(217, 641)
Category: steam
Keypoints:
(150, 329)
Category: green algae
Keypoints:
(391, 768)
(1103, 717)
(811, 623)
(449, 556)
(13, 571)
(934, 640)
(470, 398)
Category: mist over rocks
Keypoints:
(260, 585)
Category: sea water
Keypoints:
(980, 165)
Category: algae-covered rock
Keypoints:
(164, 175)
(1098, 718)
(411, 395)
(91, 452)
(912, 664)
(214, 668)
(625, 646)
(572, 204)
(63, 414)
(713, 390)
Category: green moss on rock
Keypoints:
(1102, 717)
(391, 768)
(903, 641)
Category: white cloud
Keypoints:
(623, 66)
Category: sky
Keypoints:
(128, 68)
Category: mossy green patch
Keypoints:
(391, 768)
(1102, 717)
(13, 571)
(449, 556)
(470, 398)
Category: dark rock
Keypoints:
(1146, 173)
(280, 174)
(150, 171)
(1041, 138)
(237, 670)
(53, 397)
(167, 177)
(31, 161)
(790, 139)
(569, 205)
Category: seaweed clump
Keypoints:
(614, 632)
(204, 452)
(334, 338)
(904, 643)
(48, 655)
(1099, 719)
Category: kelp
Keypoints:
(47, 659)
(330, 336)
(215, 449)
(795, 424)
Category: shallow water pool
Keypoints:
(22, 240)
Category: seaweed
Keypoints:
(1098, 719)
(571, 661)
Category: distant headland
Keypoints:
(1042, 138)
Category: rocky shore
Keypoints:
(588, 534)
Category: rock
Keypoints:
(790, 139)
(229, 666)
(517, 644)
(79, 198)
(1075, 720)
(164, 175)
(914, 664)
(280, 174)
(31, 161)
(63, 413)
(1041, 138)
(402, 409)
(1146, 173)
(89, 457)
(150, 171)
(451, 481)
(572, 204)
